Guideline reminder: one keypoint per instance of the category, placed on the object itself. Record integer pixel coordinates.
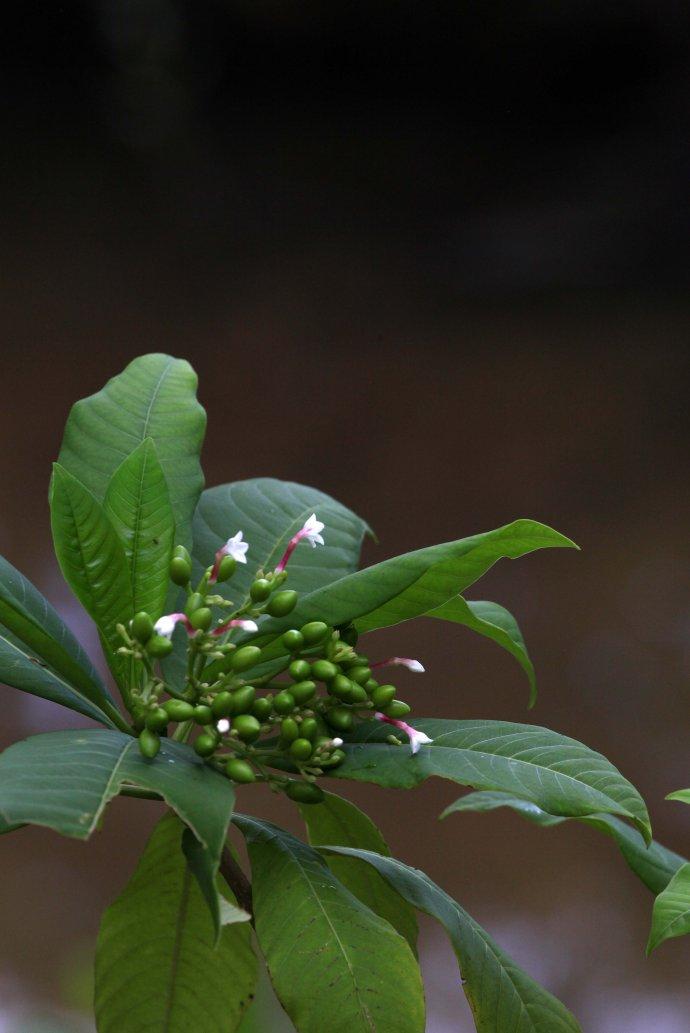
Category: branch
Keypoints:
(237, 881)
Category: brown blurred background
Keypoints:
(433, 259)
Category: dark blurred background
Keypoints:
(432, 258)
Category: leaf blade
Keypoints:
(671, 912)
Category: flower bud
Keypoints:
(141, 627)
(194, 602)
(180, 550)
(240, 771)
(333, 760)
(282, 603)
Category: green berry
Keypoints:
(179, 710)
(358, 695)
(383, 695)
(158, 646)
(304, 792)
(260, 590)
(247, 727)
(222, 704)
(301, 749)
(205, 744)
(289, 729)
(201, 619)
(299, 669)
(242, 699)
(180, 570)
(282, 603)
(141, 627)
(303, 691)
(314, 632)
(262, 708)
(284, 703)
(397, 709)
(149, 743)
(244, 658)
(240, 771)
(360, 675)
(226, 568)
(194, 602)
(157, 720)
(340, 718)
(356, 661)
(203, 715)
(371, 685)
(341, 687)
(308, 728)
(293, 640)
(324, 670)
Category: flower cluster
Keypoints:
(248, 720)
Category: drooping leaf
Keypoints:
(494, 622)
(559, 774)
(154, 397)
(157, 966)
(339, 822)
(137, 502)
(654, 865)
(335, 965)
(671, 914)
(203, 864)
(91, 558)
(502, 997)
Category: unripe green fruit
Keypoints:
(340, 718)
(304, 792)
(289, 729)
(356, 661)
(205, 744)
(341, 687)
(158, 646)
(226, 568)
(358, 695)
(149, 743)
(203, 715)
(180, 550)
(314, 632)
(303, 691)
(332, 761)
(180, 570)
(244, 658)
(293, 640)
(309, 728)
(194, 602)
(141, 627)
(242, 699)
(247, 727)
(397, 709)
(301, 749)
(260, 590)
(360, 675)
(222, 704)
(282, 603)
(157, 720)
(284, 703)
(240, 771)
(201, 619)
(299, 669)
(371, 685)
(324, 670)
(262, 708)
(383, 695)
(179, 710)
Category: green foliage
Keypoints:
(671, 914)
(157, 964)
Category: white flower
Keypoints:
(223, 725)
(401, 661)
(165, 625)
(417, 739)
(236, 548)
(312, 531)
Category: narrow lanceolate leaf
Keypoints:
(34, 636)
(502, 997)
(137, 502)
(682, 795)
(157, 965)
(417, 582)
(154, 397)
(339, 822)
(64, 780)
(91, 557)
(655, 865)
(335, 965)
(671, 914)
(559, 774)
(494, 622)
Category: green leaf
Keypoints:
(682, 795)
(64, 780)
(137, 502)
(413, 584)
(557, 773)
(337, 821)
(154, 397)
(38, 639)
(203, 864)
(671, 914)
(335, 965)
(502, 997)
(494, 622)
(157, 967)
(91, 558)
(654, 865)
